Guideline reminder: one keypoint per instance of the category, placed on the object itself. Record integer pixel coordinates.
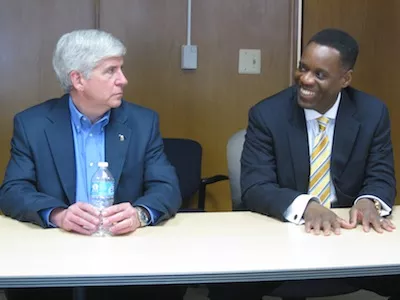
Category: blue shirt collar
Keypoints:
(79, 120)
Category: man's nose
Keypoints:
(122, 79)
(307, 78)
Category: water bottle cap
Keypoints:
(102, 164)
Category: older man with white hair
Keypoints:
(57, 144)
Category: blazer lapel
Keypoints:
(298, 141)
(60, 138)
(346, 131)
(118, 136)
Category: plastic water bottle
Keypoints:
(102, 192)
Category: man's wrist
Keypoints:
(376, 203)
(313, 202)
(56, 216)
(143, 216)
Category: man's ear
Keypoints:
(77, 80)
(347, 77)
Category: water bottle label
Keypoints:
(103, 189)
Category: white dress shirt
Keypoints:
(294, 213)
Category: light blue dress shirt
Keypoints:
(89, 146)
(89, 149)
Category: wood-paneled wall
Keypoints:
(211, 103)
(29, 31)
(208, 104)
(376, 26)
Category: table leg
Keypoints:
(79, 293)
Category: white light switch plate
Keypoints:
(249, 61)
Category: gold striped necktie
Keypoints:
(320, 178)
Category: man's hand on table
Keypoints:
(319, 218)
(365, 213)
(121, 218)
(80, 217)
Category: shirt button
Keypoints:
(90, 134)
(91, 164)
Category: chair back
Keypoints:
(234, 153)
(185, 155)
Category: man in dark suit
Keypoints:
(277, 153)
(322, 144)
(56, 146)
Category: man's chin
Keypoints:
(303, 103)
(114, 103)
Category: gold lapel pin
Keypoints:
(121, 137)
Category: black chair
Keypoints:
(185, 155)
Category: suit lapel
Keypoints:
(117, 137)
(298, 141)
(346, 130)
(61, 143)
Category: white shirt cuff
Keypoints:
(385, 211)
(294, 213)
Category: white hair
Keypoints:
(81, 51)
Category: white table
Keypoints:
(192, 248)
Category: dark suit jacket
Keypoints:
(275, 159)
(41, 172)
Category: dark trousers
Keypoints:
(241, 291)
(100, 293)
(387, 286)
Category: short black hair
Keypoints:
(341, 41)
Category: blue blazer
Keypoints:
(41, 172)
(275, 159)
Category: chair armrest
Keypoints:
(202, 188)
(213, 179)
